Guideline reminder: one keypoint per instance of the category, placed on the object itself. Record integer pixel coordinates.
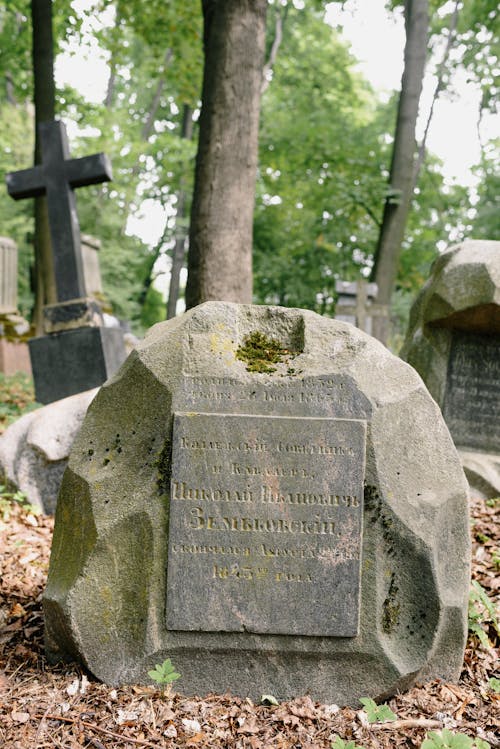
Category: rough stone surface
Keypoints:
(34, 450)
(453, 341)
(213, 515)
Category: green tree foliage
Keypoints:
(325, 150)
(486, 222)
(155, 68)
(154, 53)
(319, 184)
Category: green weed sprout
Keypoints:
(164, 674)
(478, 617)
(448, 740)
(339, 743)
(377, 713)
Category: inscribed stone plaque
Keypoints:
(472, 400)
(265, 524)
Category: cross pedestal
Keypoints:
(77, 353)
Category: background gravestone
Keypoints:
(14, 329)
(91, 267)
(301, 529)
(34, 449)
(78, 352)
(453, 341)
(356, 303)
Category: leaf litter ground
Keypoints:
(42, 706)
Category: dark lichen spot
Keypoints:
(163, 465)
(260, 353)
(90, 452)
(391, 609)
(106, 461)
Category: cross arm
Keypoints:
(89, 170)
(27, 183)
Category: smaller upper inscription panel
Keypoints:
(265, 524)
(471, 405)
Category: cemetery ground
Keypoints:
(45, 706)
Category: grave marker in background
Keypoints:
(8, 276)
(14, 329)
(91, 267)
(357, 304)
(453, 341)
(78, 353)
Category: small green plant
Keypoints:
(9, 498)
(482, 538)
(448, 740)
(164, 673)
(494, 685)
(377, 713)
(260, 352)
(481, 613)
(339, 743)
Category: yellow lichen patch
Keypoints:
(222, 346)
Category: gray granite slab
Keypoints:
(265, 524)
(471, 405)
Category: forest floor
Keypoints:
(42, 706)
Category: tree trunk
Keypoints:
(181, 233)
(44, 100)
(398, 201)
(220, 240)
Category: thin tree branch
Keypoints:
(95, 727)
(439, 87)
(152, 258)
(367, 208)
(9, 88)
(148, 125)
(180, 240)
(273, 52)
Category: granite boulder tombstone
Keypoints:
(453, 341)
(273, 501)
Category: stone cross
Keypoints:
(57, 177)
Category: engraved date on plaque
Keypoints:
(265, 524)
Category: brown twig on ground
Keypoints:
(94, 727)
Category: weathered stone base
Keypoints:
(76, 313)
(74, 361)
(483, 473)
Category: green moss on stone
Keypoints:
(260, 352)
